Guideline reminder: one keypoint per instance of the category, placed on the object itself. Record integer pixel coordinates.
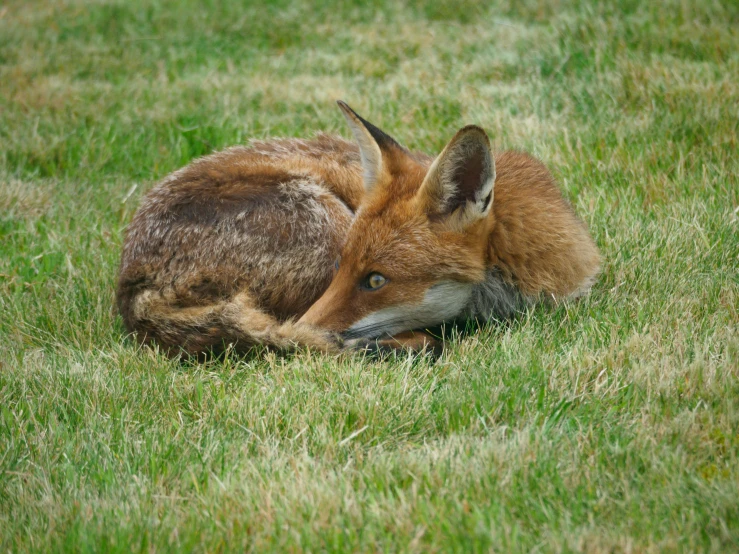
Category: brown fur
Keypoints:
(237, 245)
(231, 247)
(536, 239)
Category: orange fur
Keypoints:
(236, 246)
(493, 235)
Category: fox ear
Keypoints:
(372, 143)
(459, 184)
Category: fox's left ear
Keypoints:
(375, 147)
(459, 185)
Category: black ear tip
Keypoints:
(473, 129)
(345, 107)
(475, 134)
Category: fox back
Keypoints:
(244, 234)
(311, 242)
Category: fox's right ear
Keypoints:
(458, 187)
(372, 143)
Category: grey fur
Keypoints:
(495, 298)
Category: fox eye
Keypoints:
(336, 264)
(374, 281)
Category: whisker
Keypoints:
(369, 331)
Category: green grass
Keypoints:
(609, 425)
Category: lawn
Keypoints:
(606, 425)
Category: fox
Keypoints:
(335, 245)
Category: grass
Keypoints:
(609, 425)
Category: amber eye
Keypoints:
(374, 281)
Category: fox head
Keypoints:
(419, 240)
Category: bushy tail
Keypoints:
(198, 330)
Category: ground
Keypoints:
(605, 425)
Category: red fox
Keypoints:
(328, 244)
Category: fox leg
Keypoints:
(197, 330)
(414, 341)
